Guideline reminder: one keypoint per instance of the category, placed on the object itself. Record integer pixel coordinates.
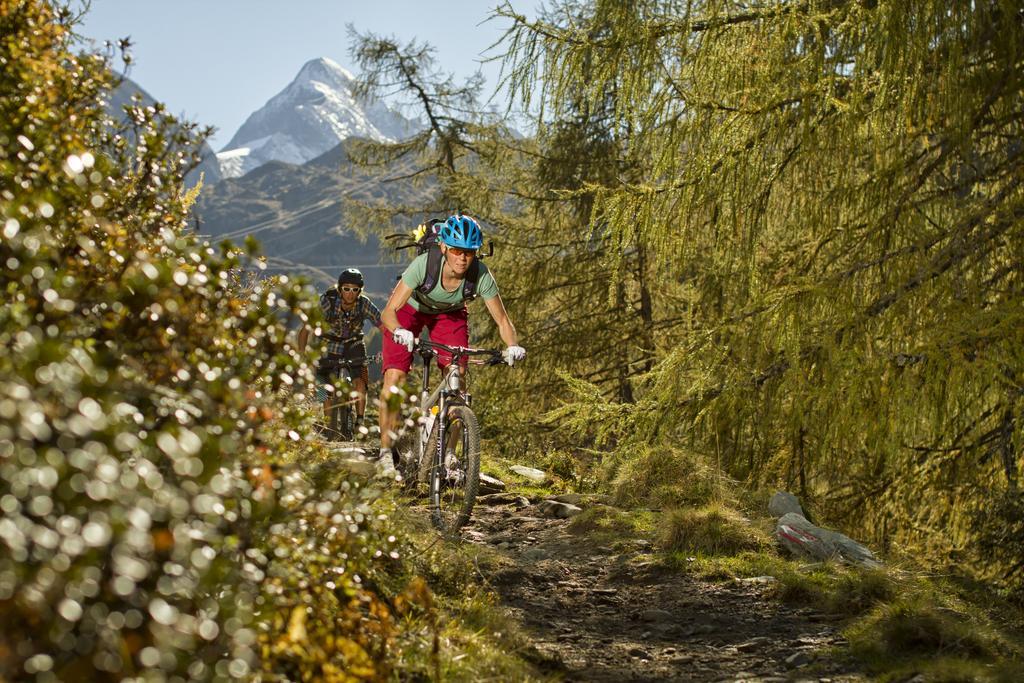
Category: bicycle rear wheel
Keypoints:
(346, 421)
(342, 418)
(455, 470)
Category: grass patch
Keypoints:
(500, 469)
(664, 478)
(899, 624)
(933, 633)
(712, 530)
(474, 636)
(601, 518)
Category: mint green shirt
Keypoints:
(438, 299)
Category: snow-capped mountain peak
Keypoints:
(326, 70)
(315, 112)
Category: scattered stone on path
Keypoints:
(758, 580)
(495, 539)
(603, 618)
(505, 498)
(783, 502)
(522, 502)
(797, 659)
(570, 498)
(754, 644)
(534, 555)
(656, 615)
(531, 473)
(552, 508)
(525, 519)
(489, 484)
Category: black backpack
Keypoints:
(424, 240)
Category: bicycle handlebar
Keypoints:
(494, 356)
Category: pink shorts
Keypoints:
(450, 328)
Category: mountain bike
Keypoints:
(341, 416)
(444, 454)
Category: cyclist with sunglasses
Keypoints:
(345, 308)
(437, 302)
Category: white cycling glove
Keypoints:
(514, 354)
(403, 337)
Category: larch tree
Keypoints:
(834, 189)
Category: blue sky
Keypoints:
(217, 61)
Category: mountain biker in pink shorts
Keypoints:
(432, 294)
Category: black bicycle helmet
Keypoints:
(350, 276)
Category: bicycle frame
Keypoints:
(450, 387)
(448, 392)
(344, 368)
(338, 408)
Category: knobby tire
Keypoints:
(451, 503)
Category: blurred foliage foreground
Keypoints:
(146, 530)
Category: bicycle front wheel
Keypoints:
(455, 470)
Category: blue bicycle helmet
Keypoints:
(462, 232)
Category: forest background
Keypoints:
(781, 243)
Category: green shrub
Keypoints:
(664, 477)
(601, 518)
(711, 530)
(146, 395)
(918, 627)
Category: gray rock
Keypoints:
(754, 644)
(534, 555)
(639, 653)
(755, 580)
(798, 659)
(552, 508)
(522, 502)
(499, 538)
(505, 498)
(531, 473)
(804, 539)
(570, 498)
(655, 615)
(489, 484)
(783, 502)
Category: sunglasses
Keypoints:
(462, 252)
(350, 289)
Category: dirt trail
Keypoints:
(599, 613)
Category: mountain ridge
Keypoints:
(310, 116)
